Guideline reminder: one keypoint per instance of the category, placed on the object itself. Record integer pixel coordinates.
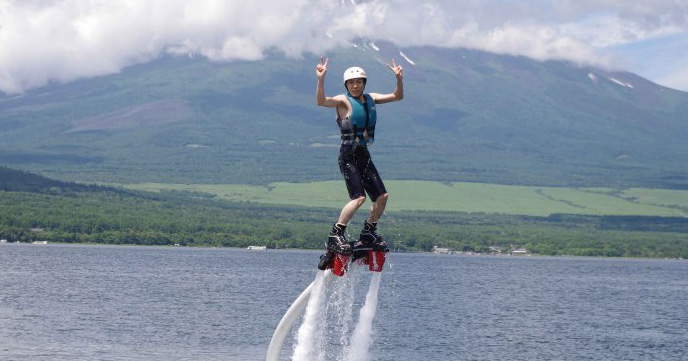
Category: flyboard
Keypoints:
(333, 264)
(371, 255)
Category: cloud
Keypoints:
(44, 41)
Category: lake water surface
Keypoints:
(60, 302)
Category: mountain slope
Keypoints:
(12, 180)
(467, 116)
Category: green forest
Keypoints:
(33, 208)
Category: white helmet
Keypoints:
(353, 73)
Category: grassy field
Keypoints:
(462, 197)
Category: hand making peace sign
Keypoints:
(397, 69)
(321, 68)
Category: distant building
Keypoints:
(436, 249)
(520, 252)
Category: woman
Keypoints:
(356, 117)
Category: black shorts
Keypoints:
(360, 173)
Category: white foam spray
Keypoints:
(362, 338)
(309, 340)
(339, 315)
(325, 334)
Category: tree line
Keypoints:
(103, 216)
(34, 208)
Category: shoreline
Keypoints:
(453, 254)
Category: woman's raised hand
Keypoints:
(397, 69)
(321, 68)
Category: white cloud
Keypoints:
(43, 41)
(537, 42)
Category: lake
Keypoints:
(64, 302)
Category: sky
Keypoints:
(46, 42)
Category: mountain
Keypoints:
(467, 116)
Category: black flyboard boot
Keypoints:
(337, 253)
(337, 241)
(370, 248)
(369, 239)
